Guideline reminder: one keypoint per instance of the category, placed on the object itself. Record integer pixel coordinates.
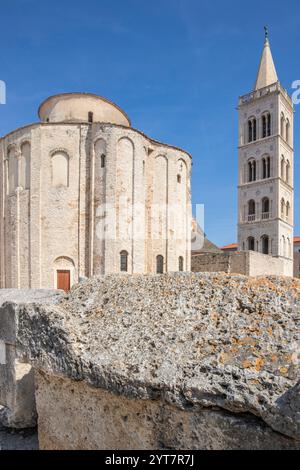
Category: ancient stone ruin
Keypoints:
(177, 361)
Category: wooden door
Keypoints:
(63, 280)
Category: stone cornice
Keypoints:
(104, 124)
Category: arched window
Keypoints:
(265, 208)
(124, 261)
(268, 167)
(282, 125)
(159, 264)
(287, 172)
(283, 246)
(282, 165)
(264, 168)
(60, 169)
(251, 170)
(251, 243)
(268, 124)
(282, 208)
(251, 130)
(287, 210)
(251, 210)
(265, 244)
(102, 160)
(178, 178)
(90, 116)
(180, 263)
(13, 173)
(25, 166)
(287, 131)
(289, 251)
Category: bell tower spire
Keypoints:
(267, 74)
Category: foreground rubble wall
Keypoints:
(186, 360)
(17, 396)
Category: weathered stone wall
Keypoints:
(105, 420)
(211, 262)
(297, 263)
(16, 375)
(204, 361)
(248, 263)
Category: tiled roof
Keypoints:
(234, 245)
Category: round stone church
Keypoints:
(83, 194)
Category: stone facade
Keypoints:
(266, 162)
(82, 187)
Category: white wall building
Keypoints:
(83, 193)
(266, 163)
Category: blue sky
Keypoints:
(176, 67)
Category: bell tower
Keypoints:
(265, 166)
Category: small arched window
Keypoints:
(282, 207)
(25, 166)
(287, 209)
(268, 167)
(159, 264)
(102, 160)
(289, 248)
(251, 171)
(13, 170)
(124, 261)
(178, 178)
(283, 246)
(264, 168)
(282, 125)
(266, 125)
(265, 244)
(287, 172)
(90, 116)
(287, 131)
(180, 263)
(265, 206)
(60, 169)
(282, 164)
(251, 208)
(251, 243)
(251, 130)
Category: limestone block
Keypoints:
(16, 374)
(186, 360)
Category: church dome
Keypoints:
(81, 107)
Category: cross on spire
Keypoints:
(266, 32)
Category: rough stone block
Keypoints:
(16, 374)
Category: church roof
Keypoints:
(266, 73)
(200, 242)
